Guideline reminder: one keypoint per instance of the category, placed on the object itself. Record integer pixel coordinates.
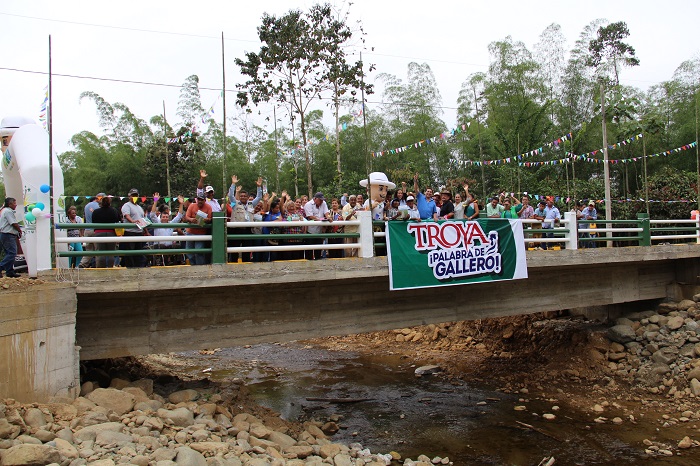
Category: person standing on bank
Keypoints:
(10, 232)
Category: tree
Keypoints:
(189, 106)
(296, 62)
(607, 51)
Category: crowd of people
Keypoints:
(154, 218)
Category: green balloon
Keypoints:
(29, 217)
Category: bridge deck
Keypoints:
(139, 311)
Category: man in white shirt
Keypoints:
(316, 209)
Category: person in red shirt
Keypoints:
(198, 213)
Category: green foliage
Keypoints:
(520, 104)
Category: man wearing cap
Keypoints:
(198, 213)
(413, 213)
(447, 209)
(133, 215)
(89, 232)
(589, 213)
(316, 209)
(425, 202)
(207, 192)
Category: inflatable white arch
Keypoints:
(25, 169)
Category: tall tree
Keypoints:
(294, 64)
(189, 106)
(609, 52)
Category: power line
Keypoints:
(153, 31)
(146, 83)
(122, 28)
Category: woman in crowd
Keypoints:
(164, 218)
(273, 215)
(336, 215)
(74, 233)
(293, 214)
(105, 214)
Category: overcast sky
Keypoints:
(164, 42)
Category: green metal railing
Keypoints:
(641, 231)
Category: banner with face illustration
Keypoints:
(427, 254)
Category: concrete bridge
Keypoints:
(46, 330)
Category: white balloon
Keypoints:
(36, 212)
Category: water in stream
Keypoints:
(471, 424)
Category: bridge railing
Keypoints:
(569, 233)
(219, 238)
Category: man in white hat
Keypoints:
(379, 189)
(207, 192)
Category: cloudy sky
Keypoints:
(164, 42)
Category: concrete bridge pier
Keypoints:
(39, 359)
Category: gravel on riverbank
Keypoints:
(129, 423)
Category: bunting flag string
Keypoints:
(540, 150)
(567, 200)
(416, 145)
(588, 158)
(43, 109)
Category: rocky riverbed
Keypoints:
(128, 423)
(639, 374)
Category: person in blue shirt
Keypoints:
(426, 204)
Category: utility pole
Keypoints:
(606, 168)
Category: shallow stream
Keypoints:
(470, 424)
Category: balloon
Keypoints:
(36, 212)
(45, 188)
(29, 217)
(40, 205)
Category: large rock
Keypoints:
(90, 432)
(107, 437)
(92, 418)
(220, 461)
(212, 448)
(685, 305)
(66, 449)
(144, 384)
(8, 430)
(183, 396)
(115, 400)
(695, 387)
(664, 356)
(674, 323)
(30, 455)
(188, 457)
(150, 405)
(34, 418)
(694, 373)
(139, 395)
(181, 417)
(621, 334)
(329, 451)
(426, 370)
(283, 440)
(300, 451)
